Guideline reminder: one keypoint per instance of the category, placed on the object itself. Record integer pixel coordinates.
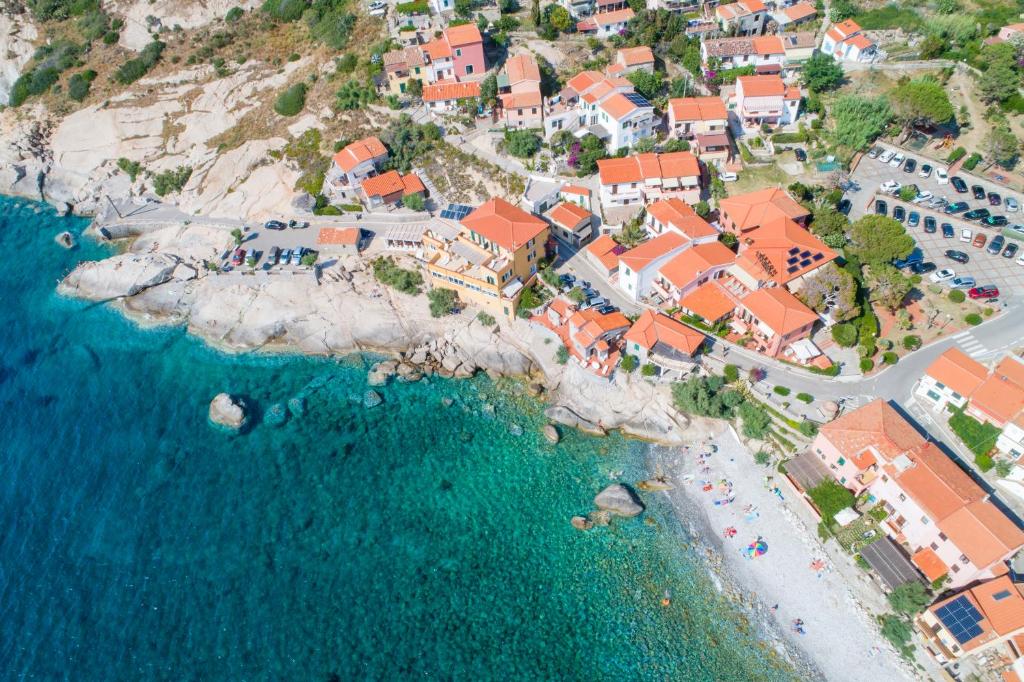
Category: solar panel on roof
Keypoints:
(795, 250)
(792, 268)
(818, 256)
(805, 262)
(456, 212)
(961, 619)
(805, 254)
(637, 99)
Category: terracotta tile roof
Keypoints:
(709, 301)
(339, 235)
(568, 214)
(957, 371)
(861, 42)
(846, 28)
(594, 324)
(875, 425)
(801, 10)
(584, 80)
(465, 34)
(614, 69)
(641, 167)
(609, 18)
(793, 92)
(504, 224)
(520, 100)
(698, 109)
(768, 45)
(412, 184)
(781, 251)
(1005, 614)
(982, 532)
(729, 47)
(521, 68)
(576, 189)
(930, 564)
(686, 268)
(384, 184)
(607, 251)
(651, 328)
(998, 397)
(676, 214)
(635, 56)
(409, 56)
(778, 309)
(739, 9)
(359, 151)
(443, 92)
(756, 208)
(936, 482)
(1011, 369)
(561, 306)
(639, 257)
(438, 49)
(618, 106)
(761, 86)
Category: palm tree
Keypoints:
(237, 234)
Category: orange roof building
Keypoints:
(447, 94)
(662, 246)
(658, 337)
(346, 238)
(780, 252)
(987, 618)
(501, 223)
(697, 109)
(796, 14)
(744, 212)
(674, 215)
(951, 379)
(695, 266)
(777, 317)
(644, 178)
(846, 42)
(708, 301)
(603, 253)
(365, 152)
(630, 59)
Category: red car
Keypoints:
(987, 291)
(238, 257)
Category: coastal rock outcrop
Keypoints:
(656, 484)
(276, 415)
(227, 412)
(126, 274)
(65, 239)
(551, 434)
(619, 500)
(581, 523)
(372, 399)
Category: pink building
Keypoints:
(467, 47)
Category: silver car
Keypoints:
(962, 282)
(1011, 205)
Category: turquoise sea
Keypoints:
(411, 540)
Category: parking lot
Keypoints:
(984, 267)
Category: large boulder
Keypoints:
(122, 275)
(227, 412)
(619, 500)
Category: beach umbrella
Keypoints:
(757, 548)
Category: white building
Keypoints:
(606, 24)
(846, 42)
(766, 54)
(609, 108)
(950, 380)
(643, 178)
(765, 99)
(746, 17)
(639, 266)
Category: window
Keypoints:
(934, 546)
(964, 560)
(955, 568)
(942, 536)
(903, 498)
(458, 52)
(933, 395)
(1001, 595)
(842, 461)
(924, 520)
(843, 480)
(469, 69)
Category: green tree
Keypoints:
(522, 143)
(831, 289)
(889, 287)
(756, 420)
(845, 335)
(880, 239)
(237, 235)
(909, 599)
(647, 84)
(1001, 145)
(629, 363)
(898, 632)
(414, 202)
(830, 498)
(921, 101)
(1000, 79)
(442, 301)
(291, 101)
(822, 73)
(859, 120)
(931, 47)
(559, 18)
(414, 88)
(828, 222)
(488, 90)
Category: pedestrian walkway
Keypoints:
(970, 345)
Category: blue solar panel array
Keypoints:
(456, 212)
(961, 619)
(637, 99)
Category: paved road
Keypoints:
(575, 262)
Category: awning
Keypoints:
(891, 565)
(804, 350)
(768, 69)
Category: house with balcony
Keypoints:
(950, 380)
(799, 46)
(657, 338)
(405, 65)
(519, 93)
(765, 99)
(644, 178)
(689, 117)
(593, 337)
(697, 265)
(847, 43)
(765, 53)
(674, 215)
(638, 267)
(789, 18)
(744, 18)
(578, 9)
(571, 223)
(608, 107)
(943, 519)
(391, 188)
(577, 194)
(779, 253)
(742, 213)
(489, 258)
(985, 621)
(630, 59)
(1000, 397)
(774, 319)
(606, 24)
(349, 167)
(450, 96)
(710, 302)
(675, 6)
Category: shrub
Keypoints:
(354, 95)
(956, 155)
(911, 342)
(562, 355)
(808, 428)
(234, 14)
(979, 438)
(957, 296)
(485, 318)
(284, 10)
(172, 180)
(866, 364)
(291, 101)
(413, 7)
(897, 631)
(131, 168)
(755, 420)
(442, 301)
(134, 69)
(845, 335)
(1003, 468)
(805, 398)
(522, 143)
(972, 319)
(890, 358)
(830, 498)
(763, 458)
(781, 390)
(731, 373)
(629, 362)
(984, 462)
(649, 370)
(388, 272)
(909, 598)
(78, 85)
(972, 161)
(414, 202)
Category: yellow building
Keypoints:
(490, 259)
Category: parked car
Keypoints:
(915, 256)
(881, 208)
(607, 309)
(1011, 205)
(273, 255)
(986, 291)
(273, 225)
(910, 166)
(899, 213)
(926, 171)
(597, 302)
(1010, 251)
(996, 245)
(994, 199)
(942, 275)
(929, 225)
(886, 156)
(890, 187)
(589, 293)
(727, 176)
(942, 176)
(955, 207)
(947, 231)
(297, 224)
(296, 257)
(994, 221)
(959, 185)
(966, 235)
(844, 206)
(962, 282)
(1020, 261)
(979, 240)
(976, 214)
(238, 257)
(567, 278)
(923, 197)
(914, 219)
(938, 202)
(958, 256)
(286, 255)
(977, 191)
(874, 152)
(922, 268)
(800, 154)
(898, 160)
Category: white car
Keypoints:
(1011, 205)
(923, 196)
(898, 160)
(941, 176)
(926, 171)
(726, 176)
(965, 235)
(886, 156)
(942, 275)
(1020, 261)
(889, 187)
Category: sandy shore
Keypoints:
(841, 641)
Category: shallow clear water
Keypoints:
(407, 540)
